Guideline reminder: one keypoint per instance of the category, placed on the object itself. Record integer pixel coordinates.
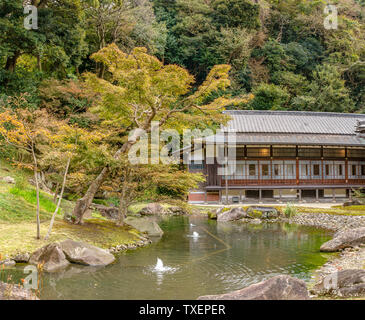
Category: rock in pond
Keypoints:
(22, 258)
(263, 213)
(86, 254)
(212, 215)
(281, 287)
(152, 209)
(345, 239)
(176, 211)
(15, 292)
(8, 263)
(344, 283)
(231, 215)
(51, 256)
(145, 225)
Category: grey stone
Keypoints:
(152, 209)
(8, 263)
(86, 254)
(145, 225)
(262, 212)
(281, 287)
(231, 215)
(22, 258)
(345, 239)
(342, 283)
(9, 180)
(176, 211)
(354, 202)
(51, 256)
(15, 292)
(107, 212)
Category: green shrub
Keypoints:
(290, 211)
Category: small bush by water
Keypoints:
(290, 210)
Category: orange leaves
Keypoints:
(12, 130)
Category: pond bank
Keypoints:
(329, 221)
(20, 238)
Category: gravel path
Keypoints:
(329, 221)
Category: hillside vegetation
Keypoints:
(17, 220)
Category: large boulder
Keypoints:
(86, 254)
(213, 215)
(107, 212)
(262, 213)
(344, 239)
(15, 292)
(343, 283)
(176, 211)
(281, 287)
(145, 225)
(51, 257)
(152, 209)
(231, 215)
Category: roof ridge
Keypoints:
(296, 113)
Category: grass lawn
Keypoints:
(18, 220)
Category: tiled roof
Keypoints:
(292, 122)
(288, 139)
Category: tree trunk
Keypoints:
(84, 203)
(11, 62)
(39, 62)
(59, 200)
(37, 190)
(123, 209)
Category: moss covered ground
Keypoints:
(18, 220)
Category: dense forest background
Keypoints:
(279, 50)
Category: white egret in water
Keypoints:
(195, 235)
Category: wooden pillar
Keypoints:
(350, 194)
(240, 195)
(346, 168)
(220, 196)
(280, 195)
(226, 191)
(300, 195)
(260, 196)
(226, 173)
(205, 197)
(333, 195)
(317, 195)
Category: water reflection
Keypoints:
(224, 257)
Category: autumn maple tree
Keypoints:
(24, 130)
(139, 89)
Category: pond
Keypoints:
(222, 257)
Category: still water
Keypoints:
(223, 257)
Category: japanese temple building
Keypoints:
(282, 155)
